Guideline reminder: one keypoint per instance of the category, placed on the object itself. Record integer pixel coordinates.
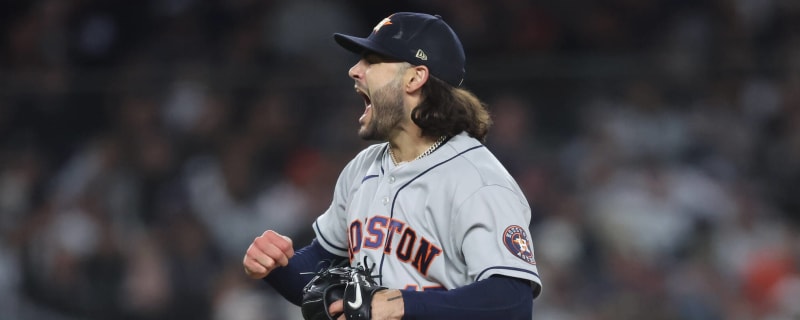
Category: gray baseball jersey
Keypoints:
(443, 221)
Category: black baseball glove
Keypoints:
(355, 285)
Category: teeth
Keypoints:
(364, 96)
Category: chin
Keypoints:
(367, 137)
(369, 134)
(365, 134)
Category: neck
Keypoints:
(410, 151)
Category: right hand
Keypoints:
(267, 252)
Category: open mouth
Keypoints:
(367, 103)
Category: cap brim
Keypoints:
(361, 45)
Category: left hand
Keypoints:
(386, 305)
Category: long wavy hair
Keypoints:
(447, 111)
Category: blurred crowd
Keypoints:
(144, 144)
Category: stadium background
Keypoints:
(143, 144)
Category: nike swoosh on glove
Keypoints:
(358, 296)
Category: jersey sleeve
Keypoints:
(331, 226)
(494, 223)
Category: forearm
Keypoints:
(289, 280)
(494, 298)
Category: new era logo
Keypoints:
(421, 55)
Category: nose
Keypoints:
(357, 70)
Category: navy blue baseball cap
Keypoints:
(416, 38)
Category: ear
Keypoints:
(416, 76)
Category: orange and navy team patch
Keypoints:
(516, 240)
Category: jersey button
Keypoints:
(391, 179)
(385, 200)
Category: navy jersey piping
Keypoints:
(316, 226)
(506, 268)
(394, 200)
(383, 154)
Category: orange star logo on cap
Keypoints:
(385, 21)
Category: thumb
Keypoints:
(337, 307)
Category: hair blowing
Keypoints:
(447, 111)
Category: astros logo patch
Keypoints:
(516, 241)
(385, 21)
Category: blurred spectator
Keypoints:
(145, 144)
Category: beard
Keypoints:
(387, 112)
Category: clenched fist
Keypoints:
(267, 252)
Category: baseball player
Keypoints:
(443, 222)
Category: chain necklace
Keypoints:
(430, 150)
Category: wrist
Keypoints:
(389, 303)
